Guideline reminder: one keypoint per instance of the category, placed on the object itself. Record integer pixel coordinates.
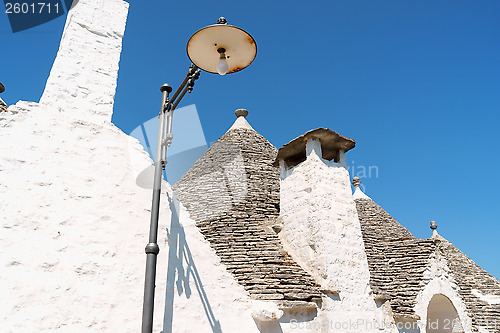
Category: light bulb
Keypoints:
(222, 66)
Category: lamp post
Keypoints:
(220, 48)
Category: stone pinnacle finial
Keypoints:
(241, 113)
(356, 182)
(358, 193)
(434, 229)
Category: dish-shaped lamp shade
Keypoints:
(221, 48)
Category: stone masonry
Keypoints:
(233, 194)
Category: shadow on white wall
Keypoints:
(181, 261)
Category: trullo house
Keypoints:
(253, 238)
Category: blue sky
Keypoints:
(415, 83)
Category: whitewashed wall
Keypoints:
(74, 222)
(321, 230)
(84, 73)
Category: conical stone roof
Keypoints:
(398, 261)
(479, 290)
(232, 192)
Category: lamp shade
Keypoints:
(205, 46)
(2, 88)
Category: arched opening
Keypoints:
(442, 317)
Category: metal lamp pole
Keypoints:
(220, 48)
(164, 140)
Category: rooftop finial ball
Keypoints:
(241, 113)
(356, 182)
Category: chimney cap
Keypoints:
(294, 152)
(241, 113)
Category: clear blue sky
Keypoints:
(415, 83)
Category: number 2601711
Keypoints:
(31, 8)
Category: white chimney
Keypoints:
(320, 225)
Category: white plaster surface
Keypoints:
(74, 222)
(490, 299)
(202, 296)
(358, 194)
(74, 225)
(321, 230)
(266, 311)
(84, 73)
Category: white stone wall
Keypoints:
(322, 232)
(84, 74)
(74, 224)
(202, 296)
(74, 221)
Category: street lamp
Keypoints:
(220, 48)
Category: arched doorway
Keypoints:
(442, 317)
